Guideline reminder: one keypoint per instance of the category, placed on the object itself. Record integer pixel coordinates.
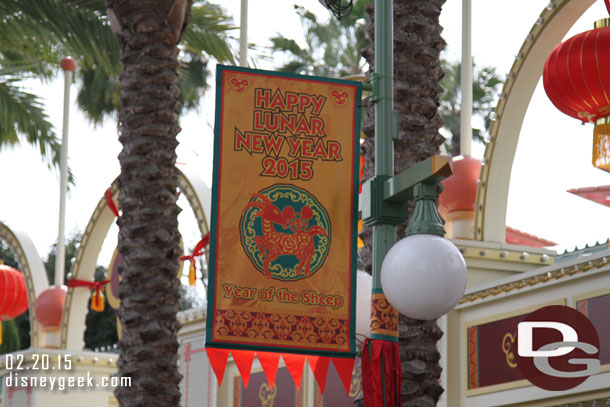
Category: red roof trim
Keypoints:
(600, 195)
(515, 236)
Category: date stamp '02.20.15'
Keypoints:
(53, 373)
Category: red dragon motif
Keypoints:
(273, 244)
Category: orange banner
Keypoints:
(284, 213)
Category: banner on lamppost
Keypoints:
(284, 213)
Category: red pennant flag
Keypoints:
(269, 361)
(313, 361)
(319, 366)
(243, 360)
(294, 364)
(218, 360)
(345, 370)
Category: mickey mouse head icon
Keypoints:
(240, 85)
(340, 97)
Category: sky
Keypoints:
(554, 152)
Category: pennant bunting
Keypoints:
(218, 360)
(319, 367)
(294, 364)
(270, 362)
(243, 360)
(345, 370)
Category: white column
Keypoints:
(68, 65)
(243, 34)
(466, 80)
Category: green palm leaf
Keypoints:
(23, 113)
(38, 34)
(206, 33)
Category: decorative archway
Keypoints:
(31, 266)
(198, 195)
(492, 194)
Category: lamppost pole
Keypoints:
(424, 275)
(384, 234)
(380, 352)
(68, 66)
(432, 289)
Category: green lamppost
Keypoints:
(424, 275)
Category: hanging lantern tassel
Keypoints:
(601, 145)
(198, 251)
(192, 273)
(97, 299)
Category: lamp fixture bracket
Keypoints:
(375, 209)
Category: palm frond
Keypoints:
(22, 114)
(206, 33)
(37, 34)
(72, 27)
(99, 94)
(192, 79)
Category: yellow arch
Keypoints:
(31, 266)
(198, 195)
(492, 195)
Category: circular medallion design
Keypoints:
(285, 232)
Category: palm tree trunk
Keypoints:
(417, 91)
(148, 32)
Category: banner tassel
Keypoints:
(381, 376)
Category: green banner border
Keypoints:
(214, 219)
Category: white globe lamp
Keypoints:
(364, 283)
(423, 276)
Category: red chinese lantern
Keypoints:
(577, 80)
(13, 294)
(460, 189)
(49, 306)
